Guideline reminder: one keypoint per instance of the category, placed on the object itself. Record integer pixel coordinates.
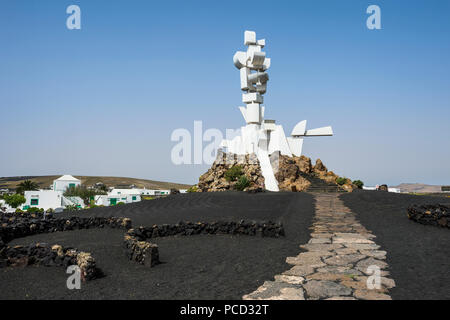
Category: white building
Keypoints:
(394, 190)
(49, 199)
(154, 192)
(65, 182)
(111, 199)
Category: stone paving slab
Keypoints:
(337, 263)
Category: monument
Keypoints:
(260, 136)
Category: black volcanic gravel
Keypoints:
(418, 255)
(194, 267)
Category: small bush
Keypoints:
(242, 183)
(358, 183)
(192, 189)
(234, 173)
(120, 203)
(14, 200)
(19, 211)
(341, 181)
(34, 210)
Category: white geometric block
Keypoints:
(261, 77)
(299, 129)
(261, 43)
(266, 64)
(261, 88)
(269, 125)
(253, 113)
(257, 58)
(295, 145)
(278, 142)
(244, 78)
(252, 97)
(240, 59)
(324, 131)
(249, 37)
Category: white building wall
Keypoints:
(45, 199)
(62, 185)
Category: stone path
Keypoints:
(338, 262)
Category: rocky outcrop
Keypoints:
(292, 173)
(289, 173)
(298, 174)
(215, 180)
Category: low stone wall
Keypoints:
(135, 240)
(15, 226)
(263, 229)
(142, 252)
(46, 255)
(146, 253)
(437, 215)
(18, 227)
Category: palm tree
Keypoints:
(27, 185)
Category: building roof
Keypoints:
(67, 177)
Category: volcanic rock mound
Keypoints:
(292, 173)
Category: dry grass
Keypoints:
(46, 181)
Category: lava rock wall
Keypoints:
(436, 215)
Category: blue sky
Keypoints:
(105, 99)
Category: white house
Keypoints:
(65, 182)
(394, 190)
(49, 199)
(153, 192)
(111, 199)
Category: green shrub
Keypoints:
(341, 181)
(19, 211)
(120, 203)
(242, 183)
(34, 210)
(358, 183)
(14, 200)
(192, 189)
(234, 173)
(72, 207)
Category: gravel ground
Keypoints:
(194, 267)
(418, 255)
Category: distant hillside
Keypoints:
(418, 188)
(46, 181)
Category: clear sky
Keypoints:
(105, 99)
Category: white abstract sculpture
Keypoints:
(259, 136)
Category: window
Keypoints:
(71, 185)
(134, 198)
(34, 202)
